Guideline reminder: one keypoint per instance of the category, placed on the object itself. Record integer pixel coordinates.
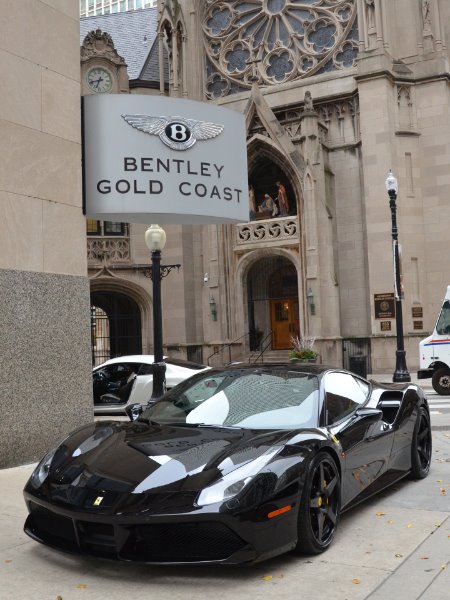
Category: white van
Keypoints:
(435, 351)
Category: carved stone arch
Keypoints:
(136, 293)
(260, 146)
(115, 284)
(243, 268)
(246, 261)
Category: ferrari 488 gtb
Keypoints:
(234, 465)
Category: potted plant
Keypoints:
(302, 349)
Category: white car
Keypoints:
(129, 379)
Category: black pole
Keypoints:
(401, 373)
(159, 365)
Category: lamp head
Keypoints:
(391, 184)
(155, 238)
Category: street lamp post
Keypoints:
(401, 373)
(155, 239)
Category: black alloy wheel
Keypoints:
(320, 506)
(441, 381)
(421, 445)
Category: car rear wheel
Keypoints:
(421, 446)
(320, 506)
(441, 381)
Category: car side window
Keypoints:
(343, 394)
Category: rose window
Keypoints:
(275, 41)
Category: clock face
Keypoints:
(99, 80)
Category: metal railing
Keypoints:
(228, 347)
(265, 344)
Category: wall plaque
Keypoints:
(418, 324)
(384, 306)
(385, 325)
(417, 312)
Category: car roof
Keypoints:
(301, 367)
(150, 359)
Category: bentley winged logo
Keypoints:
(176, 132)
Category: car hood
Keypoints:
(110, 459)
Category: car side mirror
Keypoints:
(134, 411)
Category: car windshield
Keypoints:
(259, 399)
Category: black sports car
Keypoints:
(231, 466)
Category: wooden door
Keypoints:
(284, 322)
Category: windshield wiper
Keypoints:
(210, 425)
(147, 421)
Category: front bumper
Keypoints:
(206, 538)
(425, 373)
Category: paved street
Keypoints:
(395, 546)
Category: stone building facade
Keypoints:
(335, 94)
(45, 377)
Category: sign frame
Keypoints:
(155, 159)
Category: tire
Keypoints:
(441, 381)
(421, 446)
(319, 506)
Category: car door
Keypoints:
(365, 439)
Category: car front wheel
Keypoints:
(320, 506)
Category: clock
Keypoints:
(99, 80)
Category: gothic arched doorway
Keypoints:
(273, 307)
(115, 326)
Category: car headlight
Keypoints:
(41, 472)
(235, 481)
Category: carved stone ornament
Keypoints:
(286, 39)
(99, 44)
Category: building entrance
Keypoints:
(273, 307)
(285, 322)
(115, 326)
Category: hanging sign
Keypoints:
(152, 159)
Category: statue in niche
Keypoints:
(370, 14)
(426, 15)
(268, 208)
(282, 199)
(308, 107)
(251, 203)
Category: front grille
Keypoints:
(184, 542)
(159, 542)
(97, 538)
(52, 528)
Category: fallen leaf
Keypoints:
(444, 566)
(267, 577)
(10, 561)
(82, 586)
(390, 521)
(356, 581)
(59, 598)
(380, 514)
(409, 525)
(399, 556)
(280, 576)
(438, 480)
(424, 557)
